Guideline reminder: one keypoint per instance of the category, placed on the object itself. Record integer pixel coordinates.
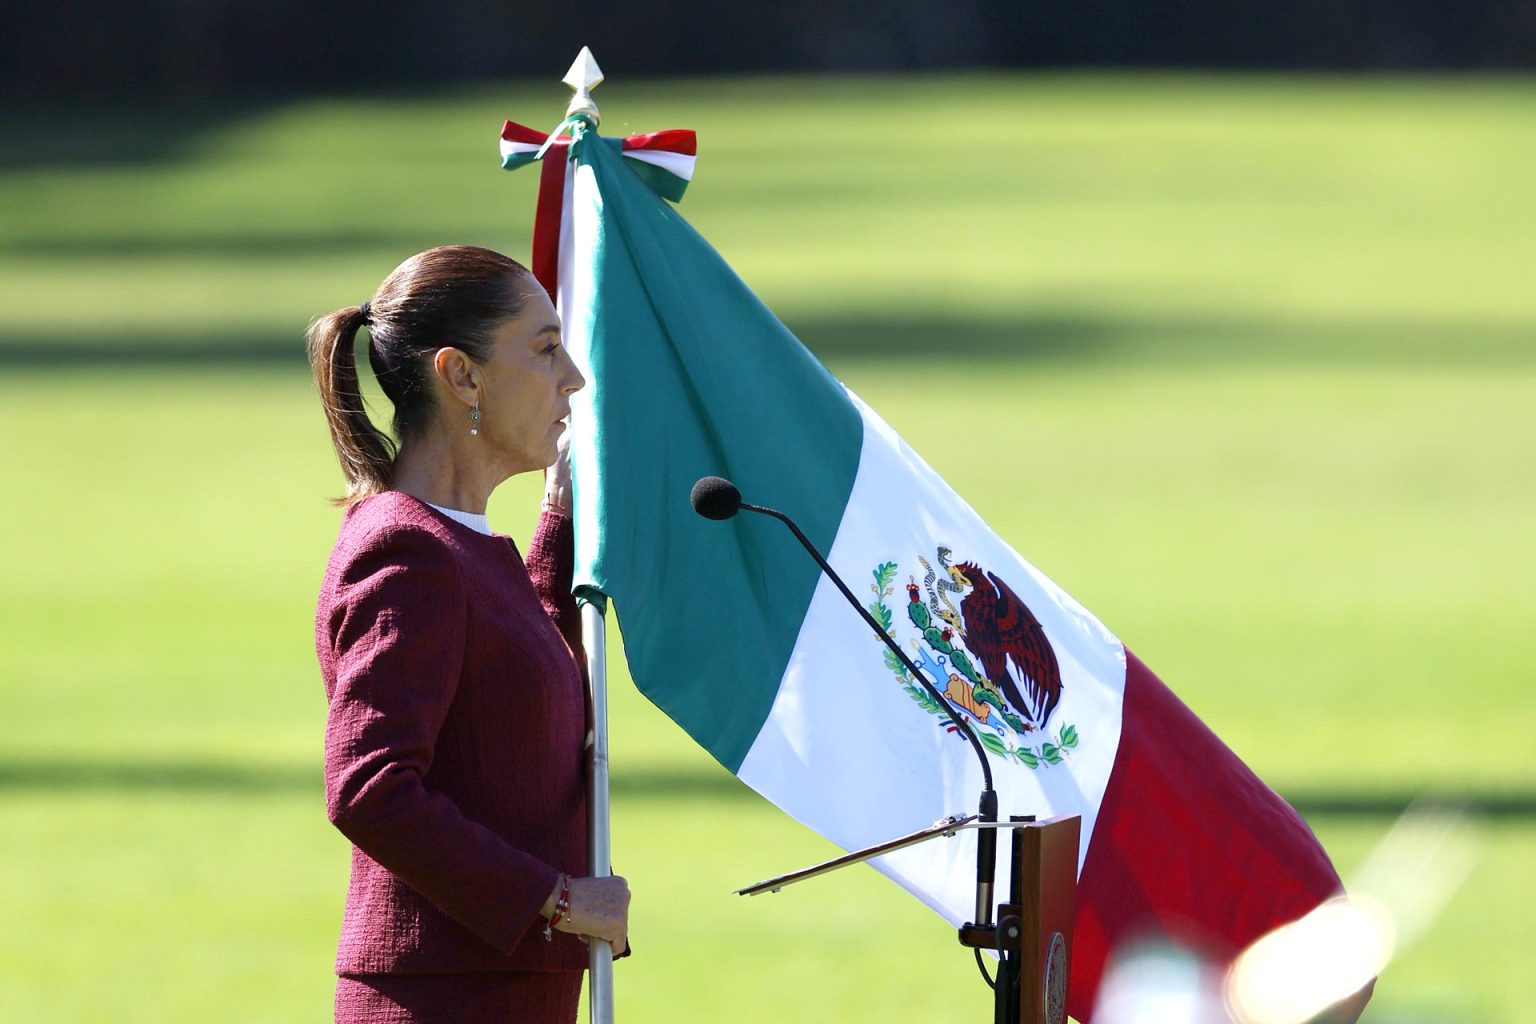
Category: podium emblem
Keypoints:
(1054, 989)
(983, 649)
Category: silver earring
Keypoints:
(474, 422)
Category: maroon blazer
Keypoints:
(455, 743)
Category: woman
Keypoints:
(455, 744)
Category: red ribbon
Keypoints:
(546, 220)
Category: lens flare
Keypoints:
(1162, 982)
(1299, 970)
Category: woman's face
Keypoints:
(528, 382)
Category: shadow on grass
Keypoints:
(122, 776)
(389, 246)
(228, 349)
(68, 776)
(67, 135)
(192, 777)
(1066, 337)
(1071, 336)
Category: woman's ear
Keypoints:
(459, 373)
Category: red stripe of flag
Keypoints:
(1189, 844)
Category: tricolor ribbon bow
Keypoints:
(663, 160)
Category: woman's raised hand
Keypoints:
(599, 910)
(557, 478)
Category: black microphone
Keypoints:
(715, 497)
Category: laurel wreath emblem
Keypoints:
(1052, 751)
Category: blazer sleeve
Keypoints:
(551, 564)
(398, 631)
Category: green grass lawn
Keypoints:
(1251, 363)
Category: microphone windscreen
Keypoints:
(715, 497)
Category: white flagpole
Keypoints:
(583, 78)
(594, 638)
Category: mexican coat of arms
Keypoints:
(988, 656)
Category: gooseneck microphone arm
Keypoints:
(715, 497)
(960, 723)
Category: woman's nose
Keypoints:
(574, 381)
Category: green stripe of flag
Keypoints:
(691, 375)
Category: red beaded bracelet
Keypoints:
(562, 907)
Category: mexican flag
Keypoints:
(733, 632)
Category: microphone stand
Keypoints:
(986, 840)
(984, 931)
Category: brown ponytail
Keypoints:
(453, 295)
(367, 456)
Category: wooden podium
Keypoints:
(1033, 933)
(1032, 930)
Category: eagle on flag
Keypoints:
(1002, 632)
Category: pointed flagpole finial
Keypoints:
(584, 76)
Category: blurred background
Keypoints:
(1238, 299)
